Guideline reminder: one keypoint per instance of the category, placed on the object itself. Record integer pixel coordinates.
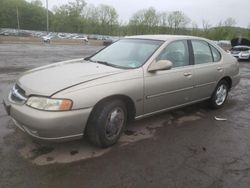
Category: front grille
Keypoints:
(235, 52)
(17, 94)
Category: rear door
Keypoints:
(208, 68)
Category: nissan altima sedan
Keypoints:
(135, 77)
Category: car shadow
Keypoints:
(48, 153)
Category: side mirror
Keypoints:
(160, 65)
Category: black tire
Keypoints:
(214, 101)
(99, 130)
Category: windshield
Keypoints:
(127, 53)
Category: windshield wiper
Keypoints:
(104, 63)
(108, 64)
(111, 65)
(86, 58)
(89, 59)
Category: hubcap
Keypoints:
(221, 94)
(114, 123)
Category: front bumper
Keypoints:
(243, 57)
(235, 55)
(240, 56)
(49, 126)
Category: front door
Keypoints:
(169, 88)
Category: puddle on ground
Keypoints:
(60, 153)
(245, 81)
(81, 150)
(5, 130)
(184, 119)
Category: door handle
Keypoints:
(187, 74)
(220, 68)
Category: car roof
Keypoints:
(163, 37)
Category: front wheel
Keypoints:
(106, 123)
(220, 95)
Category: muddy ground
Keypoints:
(183, 148)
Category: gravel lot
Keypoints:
(182, 148)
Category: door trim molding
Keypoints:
(168, 92)
(201, 85)
(170, 108)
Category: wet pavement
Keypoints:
(187, 147)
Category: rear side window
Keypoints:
(202, 52)
(216, 54)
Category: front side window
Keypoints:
(202, 52)
(176, 52)
(127, 53)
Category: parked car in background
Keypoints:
(9, 32)
(241, 52)
(82, 38)
(107, 42)
(240, 48)
(110, 40)
(224, 44)
(133, 78)
(93, 37)
(24, 34)
(47, 38)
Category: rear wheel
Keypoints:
(220, 95)
(106, 123)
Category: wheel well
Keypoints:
(127, 101)
(228, 80)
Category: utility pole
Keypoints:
(47, 16)
(17, 18)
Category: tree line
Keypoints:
(79, 17)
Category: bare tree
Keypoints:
(229, 22)
(195, 29)
(206, 25)
(177, 20)
(108, 18)
(77, 7)
(37, 3)
(163, 19)
(145, 21)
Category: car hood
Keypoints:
(240, 41)
(50, 79)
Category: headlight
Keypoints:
(245, 53)
(43, 103)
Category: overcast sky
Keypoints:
(212, 10)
